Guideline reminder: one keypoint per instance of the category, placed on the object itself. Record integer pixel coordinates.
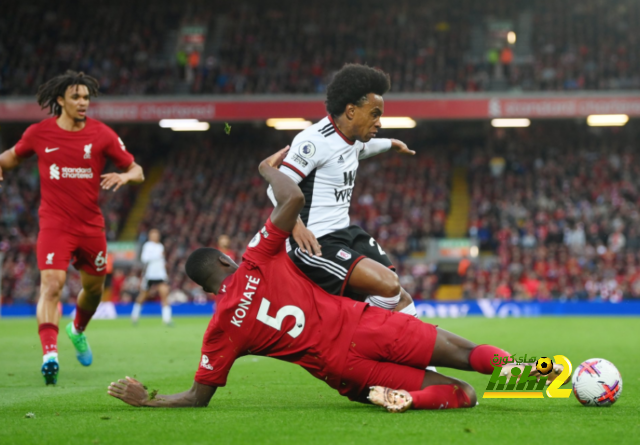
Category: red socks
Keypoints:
(48, 337)
(481, 358)
(440, 397)
(452, 396)
(83, 317)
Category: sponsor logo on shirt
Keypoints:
(349, 177)
(87, 151)
(50, 258)
(264, 232)
(340, 160)
(307, 149)
(204, 363)
(54, 172)
(49, 150)
(299, 160)
(77, 173)
(343, 255)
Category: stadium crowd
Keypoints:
(119, 44)
(554, 207)
(560, 209)
(426, 46)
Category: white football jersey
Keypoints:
(152, 257)
(324, 163)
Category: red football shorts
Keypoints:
(57, 248)
(388, 349)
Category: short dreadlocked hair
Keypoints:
(49, 92)
(351, 85)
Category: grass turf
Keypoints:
(266, 401)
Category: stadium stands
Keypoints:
(121, 45)
(426, 46)
(555, 208)
(559, 207)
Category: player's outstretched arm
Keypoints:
(400, 147)
(8, 160)
(377, 146)
(133, 173)
(289, 197)
(134, 393)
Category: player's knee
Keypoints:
(51, 287)
(390, 286)
(94, 288)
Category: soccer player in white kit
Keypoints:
(155, 277)
(323, 160)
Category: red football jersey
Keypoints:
(268, 307)
(70, 164)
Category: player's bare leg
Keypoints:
(137, 307)
(438, 392)
(48, 316)
(453, 351)
(382, 285)
(88, 301)
(163, 290)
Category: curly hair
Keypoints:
(351, 85)
(49, 91)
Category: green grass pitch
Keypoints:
(266, 401)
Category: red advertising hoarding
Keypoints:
(421, 107)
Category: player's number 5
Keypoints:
(276, 322)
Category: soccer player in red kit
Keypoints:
(72, 150)
(270, 308)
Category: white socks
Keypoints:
(137, 309)
(383, 303)
(410, 310)
(49, 356)
(390, 304)
(166, 314)
(135, 313)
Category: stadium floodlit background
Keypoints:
(545, 212)
(523, 198)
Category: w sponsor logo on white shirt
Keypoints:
(54, 172)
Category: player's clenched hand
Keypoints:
(401, 147)
(306, 240)
(130, 391)
(276, 159)
(111, 179)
